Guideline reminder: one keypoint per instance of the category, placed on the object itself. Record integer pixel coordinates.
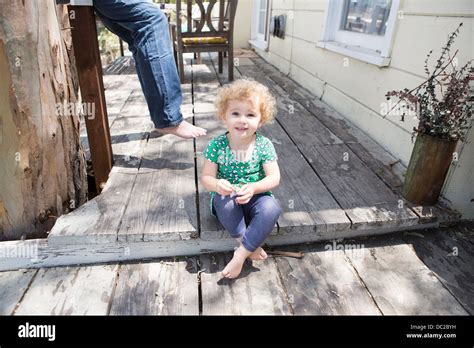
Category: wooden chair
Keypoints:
(195, 39)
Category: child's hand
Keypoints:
(224, 188)
(245, 193)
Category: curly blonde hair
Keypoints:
(244, 89)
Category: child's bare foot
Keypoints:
(184, 130)
(258, 255)
(234, 267)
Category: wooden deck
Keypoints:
(336, 182)
(410, 273)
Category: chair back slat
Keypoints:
(221, 15)
(178, 19)
(189, 14)
(202, 20)
(203, 26)
(196, 25)
(209, 15)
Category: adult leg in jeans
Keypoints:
(145, 28)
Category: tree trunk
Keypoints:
(42, 165)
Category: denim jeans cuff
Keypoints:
(236, 236)
(247, 246)
(170, 124)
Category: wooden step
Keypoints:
(328, 189)
(39, 253)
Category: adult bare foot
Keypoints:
(184, 130)
(258, 255)
(234, 267)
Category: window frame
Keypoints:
(256, 39)
(360, 46)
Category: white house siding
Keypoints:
(357, 90)
(242, 24)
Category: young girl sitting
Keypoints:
(241, 168)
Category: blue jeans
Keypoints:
(145, 28)
(260, 213)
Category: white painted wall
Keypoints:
(242, 22)
(357, 89)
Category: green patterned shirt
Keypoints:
(237, 172)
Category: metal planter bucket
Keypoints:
(429, 164)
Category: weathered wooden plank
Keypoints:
(93, 253)
(98, 220)
(163, 201)
(323, 282)
(69, 291)
(371, 153)
(129, 134)
(449, 255)
(121, 82)
(211, 59)
(136, 105)
(121, 66)
(118, 90)
(382, 163)
(398, 280)
(129, 138)
(165, 287)
(13, 285)
(257, 291)
(162, 205)
(302, 192)
(439, 213)
(187, 107)
(75, 253)
(205, 85)
(320, 283)
(130, 131)
(368, 202)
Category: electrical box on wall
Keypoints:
(278, 25)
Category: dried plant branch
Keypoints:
(447, 116)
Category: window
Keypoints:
(259, 32)
(368, 17)
(361, 29)
(262, 13)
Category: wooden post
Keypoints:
(89, 68)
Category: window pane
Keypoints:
(261, 22)
(367, 16)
